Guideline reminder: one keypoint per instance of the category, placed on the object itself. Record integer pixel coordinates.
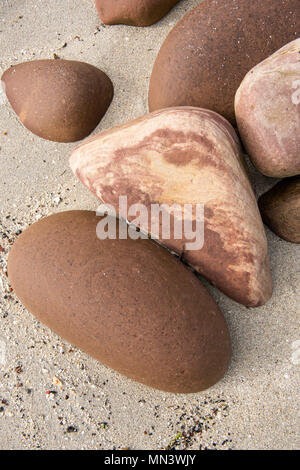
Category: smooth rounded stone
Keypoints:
(133, 12)
(267, 108)
(184, 156)
(128, 303)
(280, 209)
(207, 54)
(59, 100)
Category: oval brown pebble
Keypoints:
(130, 304)
(133, 12)
(205, 57)
(267, 108)
(280, 209)
(59, 100)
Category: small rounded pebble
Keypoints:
(59, 100)
(133, 12)
(280, 209)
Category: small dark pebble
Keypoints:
(72, 429)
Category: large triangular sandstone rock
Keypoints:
(186, 156)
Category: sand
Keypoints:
(53, 396)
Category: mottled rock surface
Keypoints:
(267, 107)
(186, 156)
(207, 54)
